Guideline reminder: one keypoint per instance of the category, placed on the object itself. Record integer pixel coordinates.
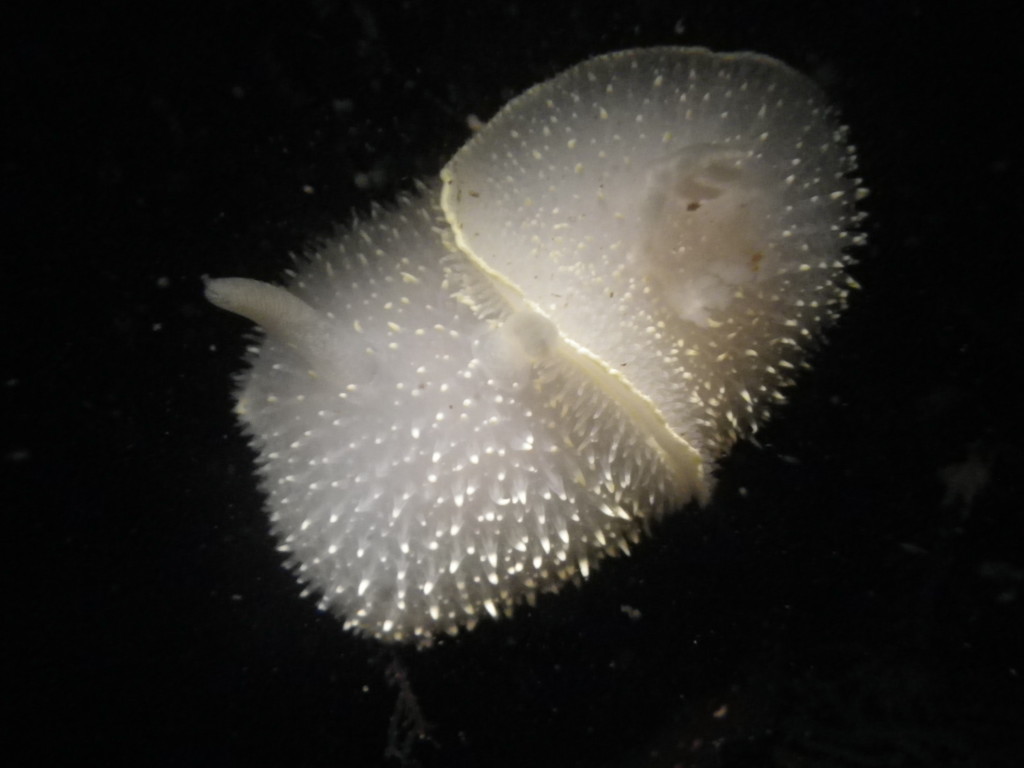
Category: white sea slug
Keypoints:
(478, 395)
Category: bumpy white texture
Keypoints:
(478, 395)
(438, 470)
(679, 214)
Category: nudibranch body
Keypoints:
(476, 396)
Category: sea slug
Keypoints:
(478, 394)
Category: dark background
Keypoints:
(834, 606)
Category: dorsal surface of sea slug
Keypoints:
(477, 395)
